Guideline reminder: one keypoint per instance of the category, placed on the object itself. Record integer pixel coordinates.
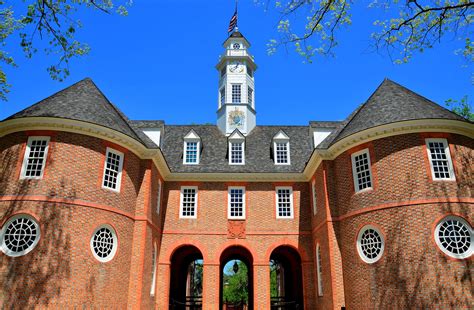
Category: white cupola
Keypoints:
(236, 92)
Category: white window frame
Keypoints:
(291, 202)
(198, 151)
(235, 95)
(27, 156)
(446, 251)
(249, 95)
(448, 157)
(181, 216)
(354, 171)
(241, 142)
(114, 246)
(319, 270)
(229, 216)
(120, 168)
(315, 202)
(222, 96)
(359, 245)
(287, 142)
(158, 202)
(154, 267)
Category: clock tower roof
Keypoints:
(236, 35)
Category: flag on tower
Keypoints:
(233, 21)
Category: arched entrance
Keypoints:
(286, 280)
(242, 258)
(186, 279)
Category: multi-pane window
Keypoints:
(158, 199)
(282, 153)
(192, 152)
(319, 270)
(313, 189)
(153, 271)
(250, 71)
(236, 208)
(223, 71)
(370, 244)
(188, 202)
(112, 169)
(35, 158)
(236, 153)
(361, 170)
(284, 200)
(440, 159)
(236, 93)
(250, 95)
(222, 95)
(455, 237)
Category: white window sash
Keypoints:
(313, 189)
(291, 216)
(26, 156)
(198, 151)
(229, 214)
(181, 206)
(242, 153)
(153, 279)
(119, 173)
(452, 177)
(319, 271)
(158, 202)
(288, 162)
(354, 171)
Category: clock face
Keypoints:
(236, 67)
(236, 46)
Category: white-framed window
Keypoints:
(153, 270)
(236, 93)
(315, 202)
(237, 153)
(319, 270)
(250, 95)
(112, 170)
(192, 148)
(370, 244)
(361, 171)
(284, 202)
(455, 237)
(282, 152)
(104, 243)
(236, 202)
(222, 95)
(188, 204)
(34, 160)
(158, 199)
(440, 159)
(19, 235)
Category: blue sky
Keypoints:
(158, 63)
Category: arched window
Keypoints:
(319, 270)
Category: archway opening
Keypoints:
(286, 280)
(236, 279)
(186, 279)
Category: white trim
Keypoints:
(354, 171)
(153, 271)
(448, 157)
(241, 142)
(11, 253)
(198, 150)
(119, 172)
(114, 246)
(319, 270)
(291, 216)
(465, 255)
(287, 142)
(26, 156)
(181, 216)
(359, 246)
(315, 202)
(158, 202)
(229, 216)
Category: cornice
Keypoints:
(241, 177)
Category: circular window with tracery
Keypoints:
(370, 244)
(104, 243)
(19, 235)
(454, 236)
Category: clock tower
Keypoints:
(236, 93)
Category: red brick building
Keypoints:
(371, 212)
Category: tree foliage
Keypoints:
(312, 26)
(461, 107)
(236, 284)
(51, 21)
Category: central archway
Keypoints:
(231, 254)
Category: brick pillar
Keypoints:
(261, 285)
(210, 286)
(163, 283)
(309, 282)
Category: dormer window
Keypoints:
(281, 149)
(236, 93)
(192, 147)
(236, 148)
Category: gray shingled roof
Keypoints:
(258, 154)
(83, 101)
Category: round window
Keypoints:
(370, 244)
(104, 243)
(236, 46)
(19, 235)
(454, 236)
